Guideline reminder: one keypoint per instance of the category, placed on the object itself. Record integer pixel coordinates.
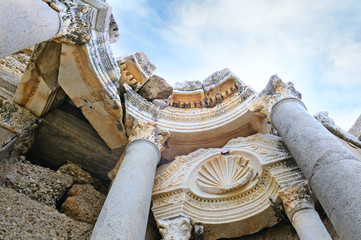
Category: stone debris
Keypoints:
(156, 88)
(84, 203)
(38, 183)
(77, 173)
(23, 219)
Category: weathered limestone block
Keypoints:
(38, 183)
(8, 84)
(39, 86)
(155, 88)
(83, 203)
(23, 218)
(66, 136)
(89, 82)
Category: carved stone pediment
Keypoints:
(234, 187)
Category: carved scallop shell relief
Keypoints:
(224, 173)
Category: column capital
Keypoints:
(79, 18)
(274, 93)
(176, 228)
(296, 197)
(149, 131)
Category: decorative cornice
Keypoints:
(196, 118)
(296, 197)
(136, 69)
(149, 131)
(214, 90)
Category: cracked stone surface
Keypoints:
(38, 183)
(156, 88)
(23, 218)
(84, 203)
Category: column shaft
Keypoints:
(26, 23)
(125, 212)
(331, 169)
(309, 226)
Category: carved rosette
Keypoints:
(178, 228)
(296, 197)
(149, 131)
(224, 174)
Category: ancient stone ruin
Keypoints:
(98, 147)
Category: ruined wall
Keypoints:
(63, 202)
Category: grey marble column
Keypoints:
(332, 171)
(309, 226)
(125, 212)
(300, 210)
(26, 23)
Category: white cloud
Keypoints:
(311, 43)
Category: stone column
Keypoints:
(331, 169)
(300, 211)
(26, 23)
(125, 212)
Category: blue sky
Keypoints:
(314, 44)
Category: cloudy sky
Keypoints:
(314, 44)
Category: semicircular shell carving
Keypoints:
(224, 173)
